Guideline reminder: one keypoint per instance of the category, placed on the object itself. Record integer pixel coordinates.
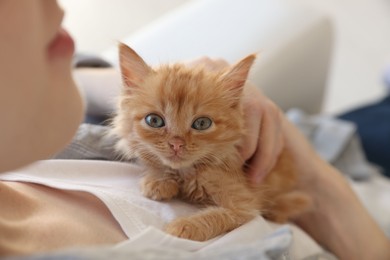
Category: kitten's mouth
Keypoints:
(175, 158)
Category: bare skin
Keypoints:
(339, 221)
(36, 218)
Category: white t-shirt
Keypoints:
(116, 184)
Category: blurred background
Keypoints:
(360, 53)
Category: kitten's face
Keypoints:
(179, 116)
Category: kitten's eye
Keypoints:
(202, 123)
(154, 121)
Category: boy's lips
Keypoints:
(61, 45)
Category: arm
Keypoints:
(339, 221)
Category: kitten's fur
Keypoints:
(200, 166)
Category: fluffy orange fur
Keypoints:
(184, 124)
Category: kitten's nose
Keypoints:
(176, 143)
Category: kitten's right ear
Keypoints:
(133, 67)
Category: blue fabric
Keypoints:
(373, 125)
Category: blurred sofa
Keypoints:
(293, 43)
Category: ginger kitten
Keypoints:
(184, 124)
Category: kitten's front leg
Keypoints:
(232, 205)
(159, 186)
(209, 223)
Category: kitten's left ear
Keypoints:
(133, 67)
(236, 77)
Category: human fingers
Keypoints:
(269, 144)
(252, 118)
(263, 140)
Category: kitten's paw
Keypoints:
(185, 228)
(163, 189)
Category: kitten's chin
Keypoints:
(176, 162)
